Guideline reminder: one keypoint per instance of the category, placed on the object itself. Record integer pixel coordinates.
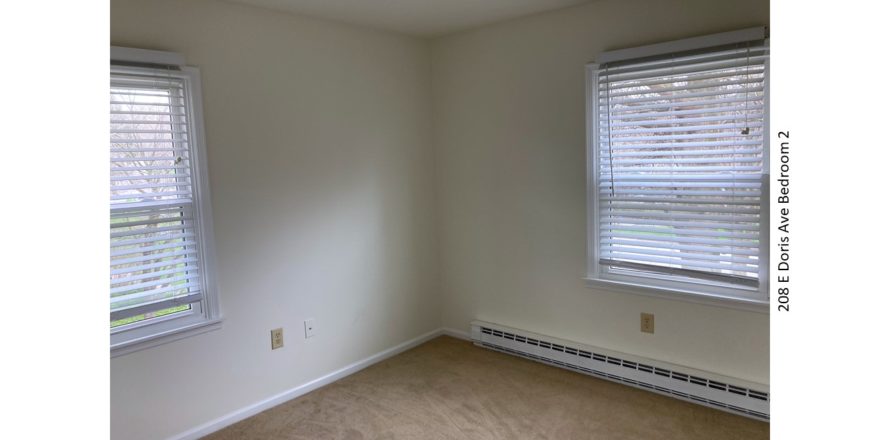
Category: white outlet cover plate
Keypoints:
(311, 329)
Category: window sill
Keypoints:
(151, 341)
(749, 305)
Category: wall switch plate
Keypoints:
(311, 329)
(277, 338)
(647, 323)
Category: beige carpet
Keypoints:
(450, 389)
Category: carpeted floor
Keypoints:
(450, 389)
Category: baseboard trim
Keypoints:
(253, 409)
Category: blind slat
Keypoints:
(692, 84)
(148, 141)
(684, 227)
(116, 169)
(749, 115)
(154, 274)
(675, 104)
(144, 159)
(147, 196)
(730, 185)
(143, 267)
(706, 147)
(647, 169)
(166, 217)
(736, 123)
(754, 70)
(151, 295)
(152, 257)
(650, 207)
(687, 200)
(708, 215)
(151, 286)
(603, 116)
(675, 238)
(678, 160)
(617, 243)
(144, 249)
(151, 239)
(626, 103)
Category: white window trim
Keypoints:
(205, 315)
(660, 286)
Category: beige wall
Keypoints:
(322, 181)
(509, 133)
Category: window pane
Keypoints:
(680, 178)
(153, 249)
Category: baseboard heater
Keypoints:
(681, 383)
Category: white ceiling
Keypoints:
(427, 18)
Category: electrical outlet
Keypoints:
(277, 338)
(311, 328)
(647, 323)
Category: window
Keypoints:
(160, 231)
(678, 168)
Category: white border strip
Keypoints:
(255, 408)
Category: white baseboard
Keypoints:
(243, 413)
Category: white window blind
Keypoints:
(155, 266)
(680, 175)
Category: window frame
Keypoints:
(663, 285)
(204, 315)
